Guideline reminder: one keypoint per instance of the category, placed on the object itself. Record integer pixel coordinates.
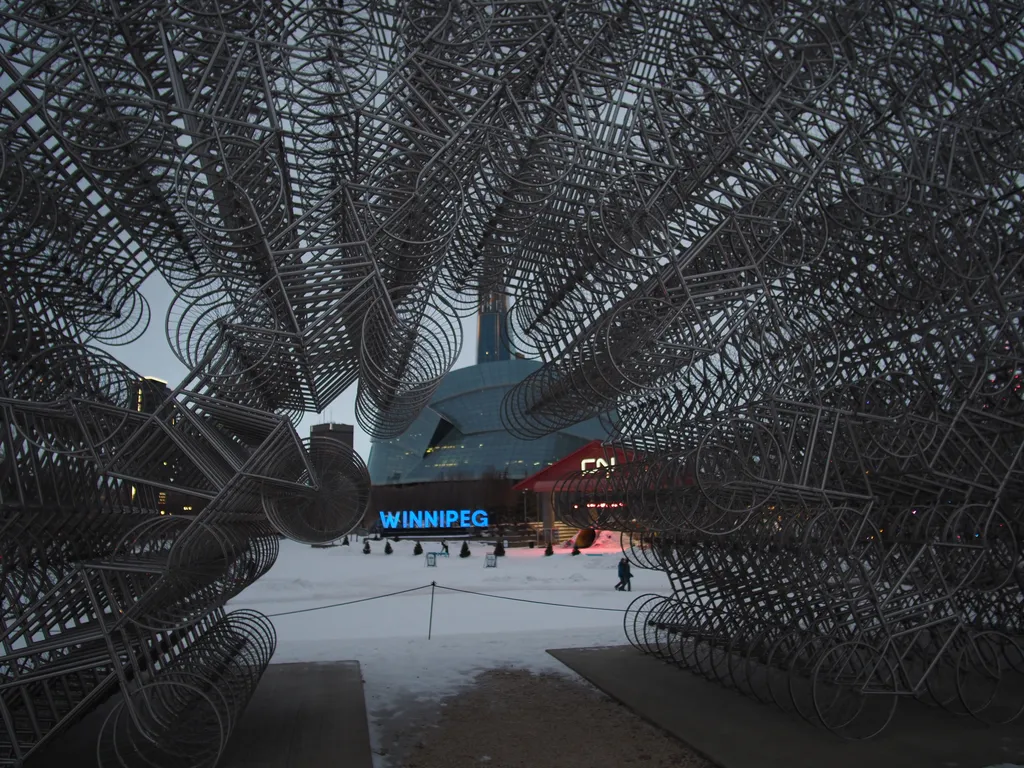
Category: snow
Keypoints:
(304, 577)
(402, 669)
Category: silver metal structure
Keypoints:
(775, 245)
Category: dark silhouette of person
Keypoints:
(444, 547)
(625, 576)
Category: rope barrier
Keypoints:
(450, 589)
(536, 602)
(350, 602)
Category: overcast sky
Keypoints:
(151, 356)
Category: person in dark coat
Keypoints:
(444, 547)
(625, 576)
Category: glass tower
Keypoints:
(491, 342)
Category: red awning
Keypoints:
(590, 456)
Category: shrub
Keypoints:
(499, 548)
(366, 547)
(418, 549)
(387, 549)
(464, 552)
(549, 550)
(344, 542)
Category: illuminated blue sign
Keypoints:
(438, 518)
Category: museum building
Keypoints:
(457, 455)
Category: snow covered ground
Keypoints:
(405, 673)
(402, 669)
(304, 578)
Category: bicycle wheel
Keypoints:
(736, 655)
(940, 685)
(800, 681)
(756, 669)
(854, 690)
(778, 661)
(661, 632)
(990, 677)
(636, 616)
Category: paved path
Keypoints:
(734, 731)
(304, 716)
(301, 716)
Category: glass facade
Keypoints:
(491, 342)
(459, 436)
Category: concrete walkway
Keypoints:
(301, 716)
(304, 716)
(734, 731)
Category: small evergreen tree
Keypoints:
(418, 549)
(366, 547)
(499, 549)
(387, 549)
(464, 552)
(575, 548)
(549, 550)
(344, 542)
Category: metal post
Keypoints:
(430, 626)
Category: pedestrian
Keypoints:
(444, 546)
(625, 575)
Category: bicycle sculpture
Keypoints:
(810, 336)
(777, 242)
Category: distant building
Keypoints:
(151, 394)
(491, 341)
(344, 433)
(460, 437)
(457, 454)
(591, 457)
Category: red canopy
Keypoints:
(590, 456)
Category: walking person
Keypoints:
(444, 546)
(625, 575)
